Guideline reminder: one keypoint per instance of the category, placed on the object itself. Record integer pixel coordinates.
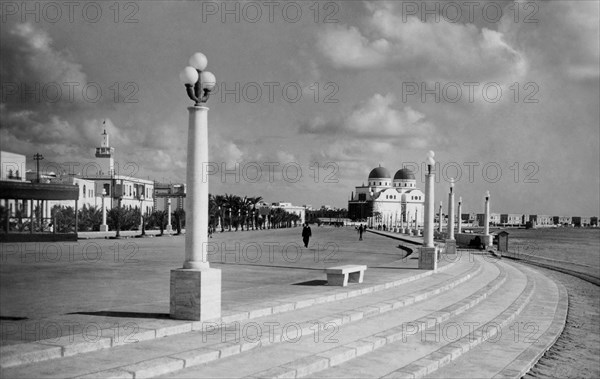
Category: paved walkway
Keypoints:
(43, 283)
(80, 315)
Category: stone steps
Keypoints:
(520, 344)
(315, 353)
(377, 354)
(484, 351)
(108, 332)
(181, 335)
(459, 322)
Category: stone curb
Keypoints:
(366, 345)
(528, 358)
(447, 353)
(222, 350)
(42, 350)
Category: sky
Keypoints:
(312, 95)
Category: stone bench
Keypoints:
(341, 275)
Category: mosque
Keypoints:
(385, 201)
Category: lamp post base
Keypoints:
(104, 228)
(428, 258)
(169, 229)
(195, 294)
(450, 246)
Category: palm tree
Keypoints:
(160, 218)
(231, 202)
(254, 200)
(221, 204)
(179, 216)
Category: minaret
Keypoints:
(106, 153)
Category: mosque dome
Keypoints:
(404, 174)
(379, 172)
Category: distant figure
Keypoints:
(51, 227)
(210, 231)
(306, 234)
(360, 232)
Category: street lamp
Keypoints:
(459, 221)
(169, 227)
(428, 253)
(440, 218)
(451, 242)
(104, 226)
(140, 196)
(486, 220)
(196, 288)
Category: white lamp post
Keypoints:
(169, 227)
(440, 218)
(451, 211)
(104, 226)
(451, 242)
(459, 221)
(486, 220)
(196, 288)
(428, 253)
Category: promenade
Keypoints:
(99, 308)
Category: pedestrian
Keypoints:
(360, 232)
(306, 234)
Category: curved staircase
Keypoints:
(477, 316)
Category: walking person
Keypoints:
(361, 229)
(306, 234)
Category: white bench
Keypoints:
(341, 275)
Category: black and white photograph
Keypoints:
(348, 189)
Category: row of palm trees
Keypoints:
(231, 212)
(227, 213)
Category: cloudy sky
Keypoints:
(313, 95)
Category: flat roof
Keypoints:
(38, 191)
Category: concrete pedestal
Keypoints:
(195, 294)
(450, 246)
(169, 229)
(487, 240)
(104, 228)
(428, 258)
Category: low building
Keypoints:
(562, 220)
(12, 166)
(494, 219)
(581, 221)
(510, 219)
(294, 209)
(541, 220)
(163, 192)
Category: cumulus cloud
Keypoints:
(441, 50)
(564, 39)
(376, 118)
(31, 63)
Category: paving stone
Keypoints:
(154, 367)
(308, 365)
(197, 356)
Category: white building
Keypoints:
(12, 166)
(390, 202)
(129, 191)
(288, 207)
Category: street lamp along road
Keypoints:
(196, 288)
